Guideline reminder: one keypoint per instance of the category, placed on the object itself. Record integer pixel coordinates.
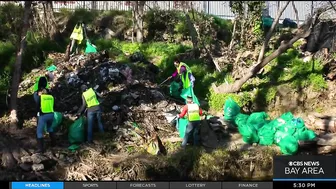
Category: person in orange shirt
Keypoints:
(194, 113)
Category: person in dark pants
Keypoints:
(194, 113)
(90, 101)
(40, 84)
(45, 114)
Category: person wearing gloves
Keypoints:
(45, 114)
(185, 74)
(194, 113)
(77, 36)
(90, 101)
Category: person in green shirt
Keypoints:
(45, 114)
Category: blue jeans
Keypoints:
(35, 95)
(43, 120)
(91, 116)
(192, 128)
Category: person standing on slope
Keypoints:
(45, 114)
(90, 101)
(194, 113)
(185, 74)
(76, 36)
(40, 84)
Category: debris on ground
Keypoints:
(130, 97)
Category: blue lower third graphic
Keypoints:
(40, 185)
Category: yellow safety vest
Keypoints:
(77, 34)
(47, 103)
(37, 81)
(184, 77)
(193, 112)
(185, 65)
(90, 98)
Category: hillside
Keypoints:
(139, 142)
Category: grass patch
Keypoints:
(220, 164)
(286, 69)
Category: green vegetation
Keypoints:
(170, 39)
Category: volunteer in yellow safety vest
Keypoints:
(77, 36)
(90, 101)
(185, 74)
(40, 84)
(194, 113)
(45, 114)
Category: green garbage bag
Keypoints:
(189, 92)
(288, 116)
(267, 21)
(174, 89)
(51, 68)
(266, 135)
(302, 132)
(249, 133)
(278, 136)
(258, 119)
(231, 109)
(307, 135)
(58, 117)
(90, 48)
(77, 131)
(288, 128)
(182, 126)
(289, 145)
(241, 119)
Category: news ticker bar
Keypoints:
(174, 185)
(141, 185)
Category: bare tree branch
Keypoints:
(296, 13)
(235, 87)
(270, 32)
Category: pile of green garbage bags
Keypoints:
(176, 93)
(284, 131)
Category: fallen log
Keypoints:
(327, 140)
(324, 123)
(326, 149)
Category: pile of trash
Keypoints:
(133, 104)
(285, 131)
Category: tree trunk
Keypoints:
(138, 14)
(17, 71)
(296, 14)
(50, 19)
(44, 19)
(233, 33)
(193, 34)
(236, 86)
